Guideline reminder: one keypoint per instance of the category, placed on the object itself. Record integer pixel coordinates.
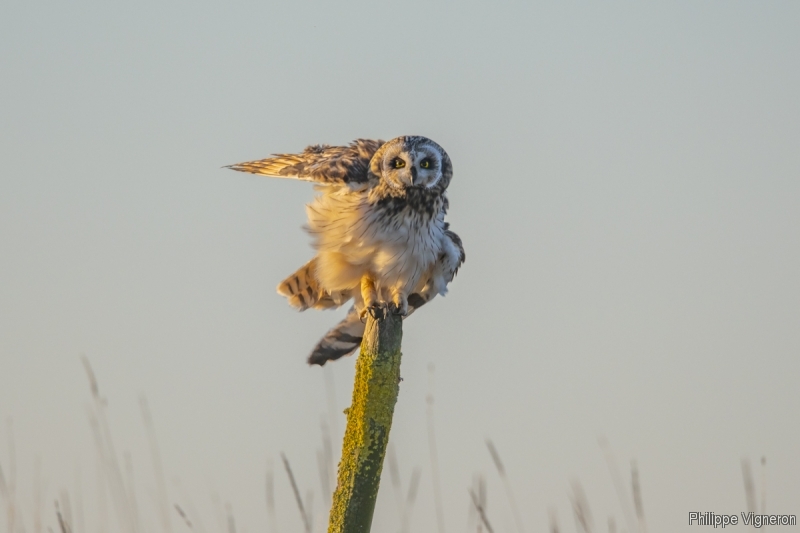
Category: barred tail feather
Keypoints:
(303, 291)
(299, 288)
(342, 340)
(346, 337)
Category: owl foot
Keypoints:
(377, 311)
(397, 309)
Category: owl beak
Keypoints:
(413, 176)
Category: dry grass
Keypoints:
(580, 508)
(305, 515)
(437, 487)
(403, 500)
(637, 497)
(182, 514)
(481, 512)
(116, 482)
(506, 484)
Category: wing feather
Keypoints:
(321, 163)
(456, 240)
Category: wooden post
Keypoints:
(369, 419)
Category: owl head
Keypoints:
(412, 162)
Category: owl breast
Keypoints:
(395, 240)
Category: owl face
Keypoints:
(411, 162)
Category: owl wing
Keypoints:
(443, 272)
(321, 163)
(458, 249)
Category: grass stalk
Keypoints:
(580, 508)
(479, 489)
(231, 522)
(552, 516)
(481, 512)
(394, 477)
(188, 511)
(108, 455)
(62, 524)
(130, 491)
(183, 515)
(625, 503)
(270, 494)
(158, 468)
(297, 497)
(65, 505)
(637, 497)
(404, 502)
(325, 464)
(437, 487)
(506, 484)
(411, 498)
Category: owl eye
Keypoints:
(425, 163)
(398, 163)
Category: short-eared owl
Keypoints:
(378, 228)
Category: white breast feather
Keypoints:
(354, 238)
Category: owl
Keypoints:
(378, 229)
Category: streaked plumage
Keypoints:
(378, 228)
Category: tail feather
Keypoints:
(346, 336)
(342, 340)
(303, 291)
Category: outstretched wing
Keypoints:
(323, 164)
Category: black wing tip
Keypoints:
(316, 359)
(323, 354)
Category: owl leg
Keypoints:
(399, 303)
(370, 296)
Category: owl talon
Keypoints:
(377, 311)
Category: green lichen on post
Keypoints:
(369, 420)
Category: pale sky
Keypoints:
(627, 187)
